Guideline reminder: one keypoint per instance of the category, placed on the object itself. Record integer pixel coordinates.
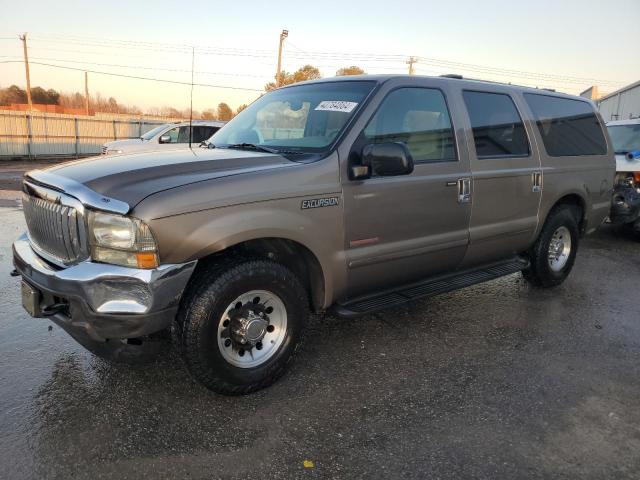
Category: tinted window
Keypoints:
(568, 127)
(417, 117)
(200, 134)
(497, 127)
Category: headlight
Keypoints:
(121, 241)
(109, 152)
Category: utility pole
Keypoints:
(410, 62)
(26, 68)
(284, 34)
(193, 64)
(86, 93)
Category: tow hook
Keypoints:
(14, 273)
(54, 309)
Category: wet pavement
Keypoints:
(498, 380)
(11, 171)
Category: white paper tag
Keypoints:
(336, 106)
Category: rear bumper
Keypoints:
(105, 301)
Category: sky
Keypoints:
(567, 45)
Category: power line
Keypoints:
(139, 67)
(320, 55)
(177, 82)
(170, 48)
(440, 64)
(469, 66)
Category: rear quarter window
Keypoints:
(568, 127)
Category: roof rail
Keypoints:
(452, 75)
(549, 89)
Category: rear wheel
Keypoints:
(553, 255)
(241, 325)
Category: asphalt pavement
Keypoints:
(499, 380)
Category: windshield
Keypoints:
(296, 120)
(625, 138)
(152, 133)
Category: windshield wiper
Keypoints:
(253, 146)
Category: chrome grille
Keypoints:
(56, 229)
(104, 149)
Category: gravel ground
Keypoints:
(498, 380)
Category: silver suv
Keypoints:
(167, 136)
(352, 194)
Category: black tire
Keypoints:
(540, 273)
(203, 307)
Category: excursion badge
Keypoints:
(320, 202)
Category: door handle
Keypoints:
(464, 190)
(452, 184)
(536, 180)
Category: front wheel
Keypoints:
(554, 253)
(241, 325)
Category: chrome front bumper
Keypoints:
(105, 301)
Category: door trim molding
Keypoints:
(399, 254)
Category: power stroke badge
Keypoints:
(320, 202)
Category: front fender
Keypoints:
(196, 235)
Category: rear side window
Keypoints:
(200, 133)
(568, 127)
(497, 127)
(417, 117)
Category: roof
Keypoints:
(206, 123)
(628, 121)
(623, 89)
(381, 78)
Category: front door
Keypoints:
(507, 181)
(402, 228)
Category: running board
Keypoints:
(428, 288)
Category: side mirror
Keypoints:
(383, 160)
(165, 139)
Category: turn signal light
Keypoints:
(636, 178)
(147, 260)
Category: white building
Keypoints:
(621, 104)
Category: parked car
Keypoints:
(625, 209)
(354, 194)
(167, 136)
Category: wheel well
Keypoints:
(578, 207)
(293, 255)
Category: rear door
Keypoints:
(403, 228)
(507, 181)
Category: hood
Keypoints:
(131, 178)
(124, 143)
(625, 165)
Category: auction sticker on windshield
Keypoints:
(336, 106)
